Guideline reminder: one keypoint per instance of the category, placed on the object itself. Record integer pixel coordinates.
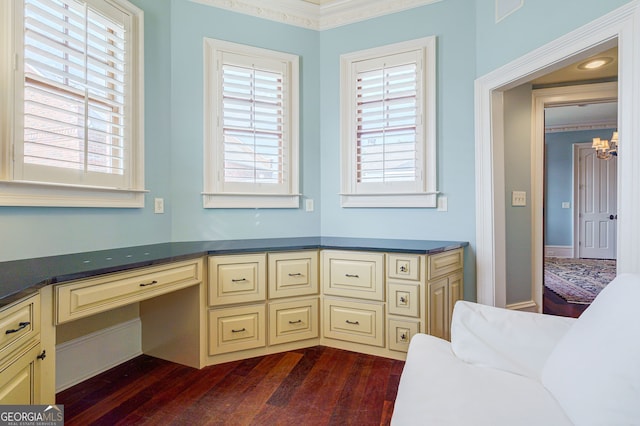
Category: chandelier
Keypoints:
(605, 149)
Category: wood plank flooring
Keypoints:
(313, 386)
(556, 305)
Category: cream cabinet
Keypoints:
(376, 302)
(20, 352)
(405, 299)
(82, 298)
(260, 303)
(445, 288)
(353, 285)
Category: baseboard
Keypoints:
(558, 251)
(87, 356)
(528, 306)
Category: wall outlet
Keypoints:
(566, 205)
(308, 204)
(442, 203)
(158, 205)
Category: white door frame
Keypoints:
(542, 98)
(623, 25)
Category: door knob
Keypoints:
(611, 217)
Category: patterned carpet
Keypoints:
(578, 280)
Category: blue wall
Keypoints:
(469, 44)
(536, 23)
(558, 177)
(190, 22)
(33, 232)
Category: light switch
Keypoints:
(518, 198)
(566, 205)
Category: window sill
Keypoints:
(39, 194)
(251, 201)
(417, 200)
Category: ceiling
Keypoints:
(583, 116)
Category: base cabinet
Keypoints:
(261, 303)
(376, 302)
(20, 352)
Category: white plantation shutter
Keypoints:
(388, 122)
(388, 126)
(75, 93)
(251, 126)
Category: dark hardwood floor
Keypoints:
(556, 305)
(314, 386)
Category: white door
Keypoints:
(597, 203)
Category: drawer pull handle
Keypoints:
(403, 299)
(151, 283)
(21, 326)
(403, 337)
(352, 275)
(238, 331)
(238, 280)
(295, 322)
(352, 322)
(43, 355)
(297, 274)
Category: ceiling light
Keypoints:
(596, 63)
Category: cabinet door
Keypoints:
(456, 289)
(439, 308)
(19, 381)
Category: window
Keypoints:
(77, 127)
(251, 127)
(388, 126)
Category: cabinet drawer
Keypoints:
(354, 321)
(359, 275)
(235, 329)
(404, 299)
(404, 267)
(445, 263)
(87, 297)
(293, 321)
(293, 274)
(237, 279)
(19, 324)
(401, 332)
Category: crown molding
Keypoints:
(595, 125)
(316, 17)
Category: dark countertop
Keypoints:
(21, 278)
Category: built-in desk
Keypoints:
(367, 295)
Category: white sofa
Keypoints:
(507, 367)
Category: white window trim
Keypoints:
(427, 195)
(45, 194)
(213, 197)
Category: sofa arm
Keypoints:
(514, 341)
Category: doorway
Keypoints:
(580, 202)
(615, 28)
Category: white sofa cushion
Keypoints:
(437, 388)
(514, 341)
(594, 371)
